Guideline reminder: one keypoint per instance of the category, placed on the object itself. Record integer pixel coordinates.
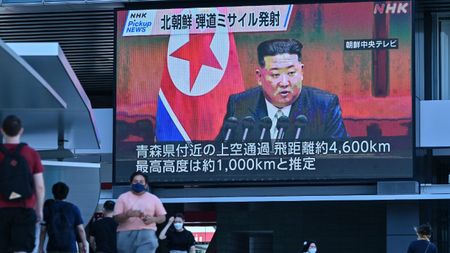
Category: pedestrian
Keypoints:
(22, 189)
(137, 212)
(309, 247)
(180, 240)
(62, 220)
(103, 231)
(423, 243)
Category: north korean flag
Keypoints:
(202, 71)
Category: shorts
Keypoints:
(137, 241)
(17, 229)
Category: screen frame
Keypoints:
(159, 5)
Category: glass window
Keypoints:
(444, 48)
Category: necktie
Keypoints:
(274, 130)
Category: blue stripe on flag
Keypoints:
(287, 16)
(166, 129)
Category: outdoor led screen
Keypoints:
(295, 92)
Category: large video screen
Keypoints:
(275, 93)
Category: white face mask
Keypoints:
(313, 250)
(178, 225)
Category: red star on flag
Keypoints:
(190, 52)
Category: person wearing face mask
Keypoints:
(179, 239)
(422, 244)
(309, 247)
(137, 212)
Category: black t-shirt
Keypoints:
(104, 231)
(180, 240)
(420, 246)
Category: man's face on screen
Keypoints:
(281, 79)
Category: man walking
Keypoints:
(21, 189)
(103, 232)
(61, 220)
(137, 213)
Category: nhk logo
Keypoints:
(139, 22)
(138, 15)
(391, 8)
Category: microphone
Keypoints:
(266, 124)
(282, 124)
(300, 122)
(247, 123)
(230, 124)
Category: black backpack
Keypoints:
(16, 180)
(60, 228)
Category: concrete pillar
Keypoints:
(401, 217)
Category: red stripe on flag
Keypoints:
(202, 116)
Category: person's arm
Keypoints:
(42, 238)
(92, 242)
(122, 217)
(162, 235)
(155, 219)
(159, 215)
(39, 188)
(335, 127)
(192, 243)
(83, 244)
(82, 234)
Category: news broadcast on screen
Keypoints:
(269, 93)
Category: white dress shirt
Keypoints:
(272, 112)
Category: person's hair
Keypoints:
(278, 46)
(179, 215)
(306, 245)
(109, 205)
(138, 173)
(11, 125)
(60, 191)
(423, 230)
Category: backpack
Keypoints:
(16, 180)
(60, 229)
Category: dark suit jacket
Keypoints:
(321, 108)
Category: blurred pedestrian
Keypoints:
(21, 189)
(103, 231)
(180, 240)
(62, 223)
(423, 243)
(309, 247)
